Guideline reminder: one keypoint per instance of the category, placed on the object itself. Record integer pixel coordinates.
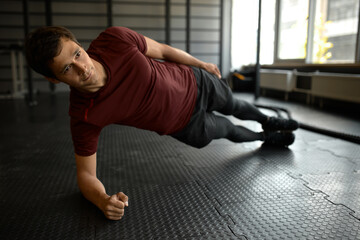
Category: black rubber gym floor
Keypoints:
(224, 191)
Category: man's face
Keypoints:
(74, 67)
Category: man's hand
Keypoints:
(212, 68)
(93, 190)
(114, 206)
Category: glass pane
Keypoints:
(335, 30)
(293, 29)
(244, 32)
(267, 34)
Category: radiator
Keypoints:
(336, 86)
(345, 87)
(277, 79)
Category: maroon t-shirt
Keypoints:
(139, 92)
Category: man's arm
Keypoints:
(162, 51)
(94, 191)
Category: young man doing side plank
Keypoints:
(119, 80)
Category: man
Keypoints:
(119, 81)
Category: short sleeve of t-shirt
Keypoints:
(128, 36)
(85, 137)
(118, 35)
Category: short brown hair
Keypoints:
(42, 45)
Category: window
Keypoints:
(244, 32)
(267, 35)
(293, 29)
(317, 31)
(296, 31)
(335, 31)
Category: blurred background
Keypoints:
(308, 49)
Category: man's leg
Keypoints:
(215, 95)
(246, 111)
(243, 110)
(224, 128)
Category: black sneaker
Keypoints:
(278, 124)
(282, 139)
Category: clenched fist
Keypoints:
(114, 206)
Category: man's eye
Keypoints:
(78, 54)
(67, 69)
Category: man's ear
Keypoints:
(52, 80)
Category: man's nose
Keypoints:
(81, 68)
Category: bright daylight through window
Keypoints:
(309, 31)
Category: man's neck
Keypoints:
(102, 75)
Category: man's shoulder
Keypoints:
(120, 33)
(111, 40)
(117, 29)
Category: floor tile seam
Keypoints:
(216, 202)
(356, 216)
(225, 213)
(213, 202)
(292, 174)
(327, 197)
(338, 156)
(299, 177)
(237, 234)
(296, 176)
(209, 190)
(306, 184)
(339, 204)
(352, 212)
(304, 177)
(308, 144)
(343, 210)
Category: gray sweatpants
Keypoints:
(204, 126)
